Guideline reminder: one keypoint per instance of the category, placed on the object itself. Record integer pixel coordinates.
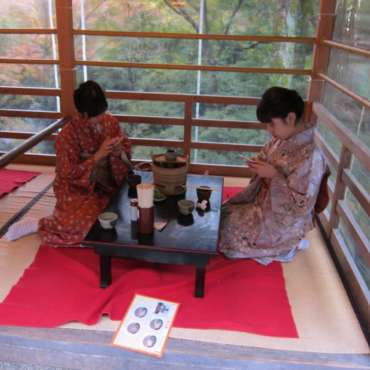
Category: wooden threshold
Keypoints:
(89, 349)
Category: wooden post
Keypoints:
(66, 55)
(321, 52)
(340, 188)
(188, 118)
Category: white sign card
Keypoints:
(146, 325)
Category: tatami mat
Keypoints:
(322, 312)
(16, 200)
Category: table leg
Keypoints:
(105, 271)
(199, 282)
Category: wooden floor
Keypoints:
(329, 334)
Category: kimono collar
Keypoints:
(296, 149)
(302, 138)
(87, 125)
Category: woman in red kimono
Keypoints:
(91, 151)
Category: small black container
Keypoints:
(133, 180)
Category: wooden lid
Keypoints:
(160, 160)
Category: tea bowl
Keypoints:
(108, 219)
(185, 206)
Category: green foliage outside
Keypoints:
(234, 17)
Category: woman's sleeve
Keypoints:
(69, 162)
(119, 168)
(295, 195)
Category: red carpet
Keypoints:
(62, 285)
(11, 179)
(230, 191)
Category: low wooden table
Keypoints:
(185, 240)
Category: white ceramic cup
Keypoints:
(108, 219)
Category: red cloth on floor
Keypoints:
(229, 192)
(62, 285)
(12, 179)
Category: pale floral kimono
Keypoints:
(270, 217)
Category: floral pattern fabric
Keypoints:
(271, 216)
(79, 197)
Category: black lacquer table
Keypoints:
(186, 240)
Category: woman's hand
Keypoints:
(108, 146)
(117, 147)
(262, 169)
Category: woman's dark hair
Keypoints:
(89, 98)
(278, 102)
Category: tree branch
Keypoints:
(183, 13)
(205, 17)
(237, 8)
(195, 8)
(252, 45)
(87, 15)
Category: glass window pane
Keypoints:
(29, 75)
(328, 208)
(184, 51)
(330, 139)
(24, 124)
(146, 108)
(183, 16)
(363, 127)
(141, 79)
(256, 54)
(139, 50)
(220, 111)
(146, 152)
(142, 130)
(28, 47)
(248, 84)
(350, 113)
(359, 258)
(358, 212)
(220, 157)
(9, 144)
(29, 102)
(333, 176)
(137, 15)
(45, 147)
(227, 135)
(361, 174)
(213, 83)
(350, 70)
(352, 23)
(299, 18)
(27, 14)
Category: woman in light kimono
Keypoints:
(91, 153)
(268, 220)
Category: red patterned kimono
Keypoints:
(80, 199)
